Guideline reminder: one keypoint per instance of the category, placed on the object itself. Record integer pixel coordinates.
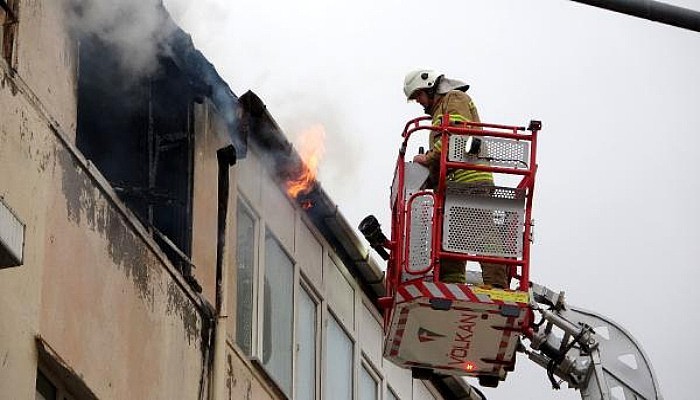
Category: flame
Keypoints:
(306, 204)
(311, 150)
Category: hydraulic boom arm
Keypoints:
(588, 351)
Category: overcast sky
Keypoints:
(616, 205)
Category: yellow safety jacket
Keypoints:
(460, 108)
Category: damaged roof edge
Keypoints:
(324, 214)
(259, 125)
(203, 76)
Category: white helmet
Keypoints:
(419, 79)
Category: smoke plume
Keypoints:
(136, 29)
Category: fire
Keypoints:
(311, 150)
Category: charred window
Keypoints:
(138, 130)
(8, 22)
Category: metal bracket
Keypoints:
(592, 353)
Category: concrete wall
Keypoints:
(46, 58)
(209, 136)
(94, 286)
(243, 381)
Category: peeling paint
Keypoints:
(33, 143)
(70, 185)
(86, 206)
(182, 306)
(7, 81)
(230, 377)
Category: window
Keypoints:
(139, 132)
(306, 348)
(421, 391)
(245, 250)
(278, 314)
(390, 395)
(8, 28)
(55, 380)
(368, 385)
(45, 390)
(48, 387)
(340, 294)
(11, 238)
(338, 362)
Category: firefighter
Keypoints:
(439, 96)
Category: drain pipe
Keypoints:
(226, 157)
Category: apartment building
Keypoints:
(148, 246)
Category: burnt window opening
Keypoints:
(139, 132)
(8, 31)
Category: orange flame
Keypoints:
(311, 150)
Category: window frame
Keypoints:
(335, 262)
(305, 284)
(367, 365)
(330, 314)
(9, 9)
(242, 202)
(62, 392)
(51, 365)
(391, 392)
(260, 327)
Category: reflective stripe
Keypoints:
(453, 119)
(459, 175)
(468, 175)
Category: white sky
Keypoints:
(616, 205)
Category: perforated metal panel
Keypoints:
(484, 220)
(421, 234)
(499, 152)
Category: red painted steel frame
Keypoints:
(400, 210)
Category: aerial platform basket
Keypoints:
(455, 328)
(474, 329)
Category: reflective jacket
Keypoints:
(460, 108)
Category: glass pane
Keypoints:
(245, 247)
(420, 391)
(338, 363)
(368, 386)
(45, 390)
(306, 348)
(342, 295)
(278, 314)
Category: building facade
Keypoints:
(148, 248)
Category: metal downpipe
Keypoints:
(226, 157)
